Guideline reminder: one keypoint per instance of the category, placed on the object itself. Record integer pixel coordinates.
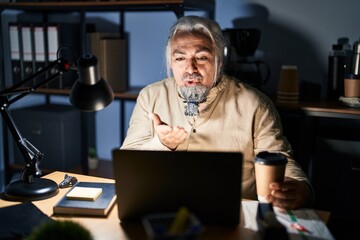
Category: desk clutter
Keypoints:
(299, 224)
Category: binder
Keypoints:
(110, 50)
(27, 52)
(67, 37)
(38, 36)
(15, 52)
(52, 47)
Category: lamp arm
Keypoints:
(32, 156)
(17, 88)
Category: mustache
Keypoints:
(188, 76)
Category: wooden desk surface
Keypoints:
(110, 227)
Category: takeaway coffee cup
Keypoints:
(269, 167)
(352, 86)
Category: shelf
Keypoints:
(130, 94)
(322, 109)
(178, 6)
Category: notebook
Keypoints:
(151, 182)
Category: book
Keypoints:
(100, 207)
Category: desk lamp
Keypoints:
(89, 93)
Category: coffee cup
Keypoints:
(288, 86)
(269, 167)
(352, 86)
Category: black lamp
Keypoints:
(89, 93)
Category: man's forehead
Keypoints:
(198, 41)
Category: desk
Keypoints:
(110, 227)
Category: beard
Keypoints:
(193, 96)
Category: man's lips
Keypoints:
(192, 83)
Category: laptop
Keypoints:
(151, 182)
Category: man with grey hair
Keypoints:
(199, 108)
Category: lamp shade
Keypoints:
(90, 92)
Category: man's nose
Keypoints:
(191, 66)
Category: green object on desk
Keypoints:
(59, 230)
(180, 221)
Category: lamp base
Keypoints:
(40, 188)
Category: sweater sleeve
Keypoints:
(268, 136)
(140, 134)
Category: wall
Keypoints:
(293, 32)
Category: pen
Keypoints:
(295, 225)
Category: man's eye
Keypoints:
(202, 58)
(178, 59)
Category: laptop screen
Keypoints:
(150, 182)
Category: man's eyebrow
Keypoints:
(204, 49)
(178, 51)
(200, 49)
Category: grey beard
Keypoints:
(193, 96)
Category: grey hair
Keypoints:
(192, 24)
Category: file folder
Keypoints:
(15, 52)
(27, 52)
(65, 36)
(52, 47)
(39, 49)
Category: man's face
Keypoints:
(193, 60)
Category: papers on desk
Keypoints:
(316, 228)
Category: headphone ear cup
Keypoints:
(230, 56)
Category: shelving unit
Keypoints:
(82, 7)
(177, 6)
